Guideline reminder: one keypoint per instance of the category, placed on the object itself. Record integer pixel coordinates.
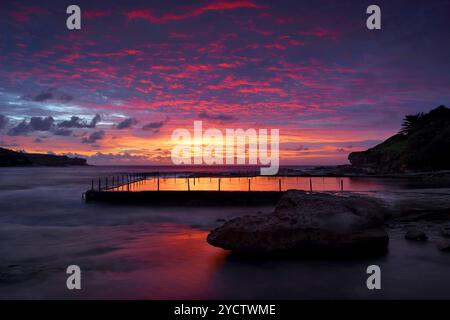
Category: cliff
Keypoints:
(10, 158)
(423, 144)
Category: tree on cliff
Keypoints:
(423, 144)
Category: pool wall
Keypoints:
(186, 198)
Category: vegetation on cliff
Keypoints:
(423, 144)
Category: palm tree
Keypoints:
(410, 121)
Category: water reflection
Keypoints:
(173, 262)
(263, 183)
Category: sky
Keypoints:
(115, 90)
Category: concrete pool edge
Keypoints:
(186, 198)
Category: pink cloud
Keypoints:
(93, 14)
(149, 15)
(322, 33)
(25, 13)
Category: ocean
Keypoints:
(142, 252)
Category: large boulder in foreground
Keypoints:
(304, 222)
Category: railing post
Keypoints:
(92, 184)
(279, 184)
(99, 184)
(189, 186)
(310, 185)
(219, 184)
(342, 185)
(248, 185)
(158, 184)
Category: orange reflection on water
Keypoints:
(174, 262)
(260, 183)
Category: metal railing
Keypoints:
(128, 182)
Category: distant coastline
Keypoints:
(10, 158)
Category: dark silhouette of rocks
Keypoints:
(315, 223)
(444, 245)
(422, 145)
(10, 158)
(445, 231)
(416, 235)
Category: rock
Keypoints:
(9, 158)
(444, 245)
(445, 231)
(416, 235)
(304, 222)
(335, 171)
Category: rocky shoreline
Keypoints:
(326, 224)
(10, 158)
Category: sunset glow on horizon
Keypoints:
(115, 90)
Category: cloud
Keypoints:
(301, 148)
(23, 13)
(77, 122)
(329, 34)
(47, 95)
(94, 14)
(148, 14)
(43, 97)
(41, 124)
(94, 121)
(35, 124)
(74, 122)
(94, 136)
(62, 132)
(155, 126)
(8, 144)
(19, 130)
(118, 158)
(64, 97)
(216, 116)
(101, 158)
(3, 121)
(127, 123)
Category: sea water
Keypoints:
(161, 253)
